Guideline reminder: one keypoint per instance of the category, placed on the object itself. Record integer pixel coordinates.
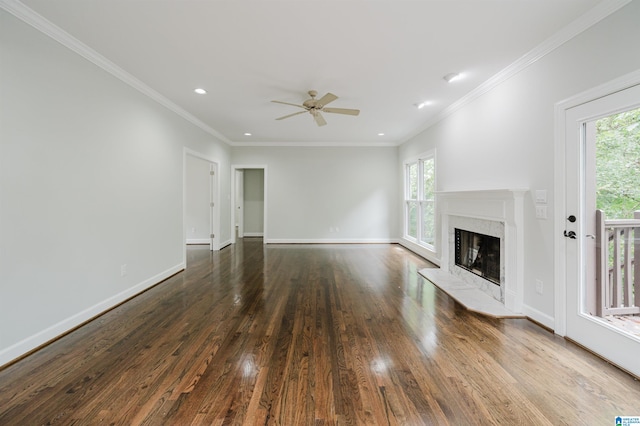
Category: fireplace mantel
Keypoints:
(490, 204)
(499, 205)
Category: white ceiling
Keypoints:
(381, 56)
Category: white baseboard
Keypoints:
(544, 319)
(253, 234)
(330, 241)
(50, 333)
(419, 250)
(198, 241)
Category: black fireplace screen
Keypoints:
(479, 254)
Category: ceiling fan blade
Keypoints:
(329, 97)
(319, 119)
(291, 115)
(342, 111)
(288, 103)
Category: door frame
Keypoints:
(214, 196)
(234, 169)
(560, 242)
(239, 203)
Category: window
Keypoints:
(420, 200)
(412, 200)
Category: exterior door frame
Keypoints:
(560, 242)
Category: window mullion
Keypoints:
(419, 201)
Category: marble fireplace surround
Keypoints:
(495, 212)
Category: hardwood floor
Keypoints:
(309, 335)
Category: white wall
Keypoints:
(90, 179)
(197, 200)
(505, 139)
(253, 202)
(322, 194)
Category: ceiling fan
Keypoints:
(315, 106)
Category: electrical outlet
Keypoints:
(123, 270)
(541, 212)
(539, 286)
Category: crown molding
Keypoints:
(592, 17)
(30, 17)
(343, 144)
(595, 15)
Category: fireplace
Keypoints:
(472, 263)
(478, 254)
(498, 217)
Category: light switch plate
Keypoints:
(541, 196)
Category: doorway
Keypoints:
(578, 316)
(249, 202)
(201, 203)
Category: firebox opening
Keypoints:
(479, 254)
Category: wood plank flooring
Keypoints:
(309, 335)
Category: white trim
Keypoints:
(331, 241)
(215, 225)
(592, 17)
(50, 333)
(339, 144)
(225, 244)
(419, 160)
(538, 316)
(198, 241)
(559, 246)
(30, 17)
(431, 256)
(423, 155)
(254, 234)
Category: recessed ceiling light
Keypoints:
(200, 91)
(247, 134)
(451, 77)
(380, 134)
(423, 104)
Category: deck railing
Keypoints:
(618, 265)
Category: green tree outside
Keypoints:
(618, 164)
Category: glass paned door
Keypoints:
(584, 174)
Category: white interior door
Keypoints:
(582, 325)
(213, 197)
(201, 202)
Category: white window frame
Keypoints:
(420, 202)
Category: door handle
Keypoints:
(570, 234)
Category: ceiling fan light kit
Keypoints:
(315, 106)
